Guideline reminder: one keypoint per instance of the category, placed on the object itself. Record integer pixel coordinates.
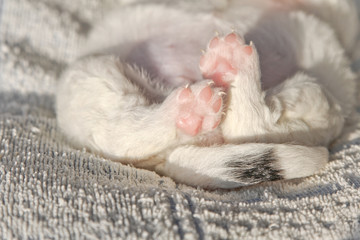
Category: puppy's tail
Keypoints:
(230, 166)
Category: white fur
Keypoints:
(119, 98)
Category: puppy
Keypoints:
(264, 99)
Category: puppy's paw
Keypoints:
(225, 57)
(199, 108)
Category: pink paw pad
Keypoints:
(224, 58)
(199, 109)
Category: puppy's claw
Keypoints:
(211, 83)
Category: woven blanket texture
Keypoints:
(49, 190)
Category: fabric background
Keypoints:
(49, 190)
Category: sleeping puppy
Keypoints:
(262, 102)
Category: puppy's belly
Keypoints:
(173, 55)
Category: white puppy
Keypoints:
(271, 91)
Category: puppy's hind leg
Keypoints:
(100, 107)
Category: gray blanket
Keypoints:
(49, 190)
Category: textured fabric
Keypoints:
(49, 190)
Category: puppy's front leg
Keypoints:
(232, 64)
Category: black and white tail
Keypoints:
(230, 166)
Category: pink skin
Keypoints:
(224, 58)
(199, 111)
(200, 105)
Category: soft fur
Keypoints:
(136, 94)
